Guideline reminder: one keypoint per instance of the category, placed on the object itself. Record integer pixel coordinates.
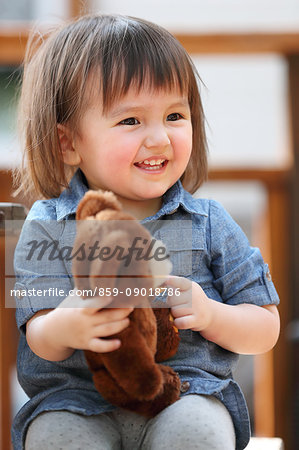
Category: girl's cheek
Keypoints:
(184, 143)
(121, 156)
(129, 150)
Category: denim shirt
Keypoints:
(222, 263)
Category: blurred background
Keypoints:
(247, 55)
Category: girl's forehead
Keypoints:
(148, 92)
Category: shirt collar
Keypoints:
(174, 198)
(69, 199)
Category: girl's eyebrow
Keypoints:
(123, 110)
(119, 111)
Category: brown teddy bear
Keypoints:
(129, 377)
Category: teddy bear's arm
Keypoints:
(169, 393)
(112, 392)
(133, 363)
(167, 335)
(109, 388)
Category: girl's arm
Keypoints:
(76, 324)
(243, 328)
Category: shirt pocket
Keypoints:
(185, 248)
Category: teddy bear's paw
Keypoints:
(146, 384)
(171, 381)
(168, 337)
(169, 394)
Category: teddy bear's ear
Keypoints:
(94, 202)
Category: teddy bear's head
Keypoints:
(128, 255)
(101, 205)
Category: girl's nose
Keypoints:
(157, 137)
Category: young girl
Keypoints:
(113, 102)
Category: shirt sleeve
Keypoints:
(42, 277)
(240, 274)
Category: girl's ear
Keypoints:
(70, 155)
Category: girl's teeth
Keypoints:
(154, 168)
(153, 162)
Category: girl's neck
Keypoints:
(141, 209)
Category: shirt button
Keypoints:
(184, 386)
(268, 276)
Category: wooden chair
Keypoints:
(8, 331)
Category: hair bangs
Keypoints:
(136, 57)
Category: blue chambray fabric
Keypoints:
(217, 255)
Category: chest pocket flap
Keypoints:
(185, 247)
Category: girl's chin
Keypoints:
(152, 192)
(141, 197)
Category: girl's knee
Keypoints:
(194, 434)
(197, 422)
(57, 430)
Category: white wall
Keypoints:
(245, 101)
(50, 11)
(209, 15)
(41, 10)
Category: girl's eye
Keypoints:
(174, 116)
(129, 121)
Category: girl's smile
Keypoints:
(152, 165)
(138, 149)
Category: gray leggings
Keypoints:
(193, 422)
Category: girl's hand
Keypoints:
(85, 322)
(244, 328)
(191, 309)
(76, 324)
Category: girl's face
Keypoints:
(139, 148)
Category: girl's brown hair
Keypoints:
(115, 52)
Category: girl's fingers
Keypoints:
(174, 301)
(95, 304)
(179, 282)
(108, 329)
(184, 323)
(184, 298)
(90, 304)
(182, 291)
(104, 345)
(181, 310)
(110, 315)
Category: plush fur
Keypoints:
(130, 376)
